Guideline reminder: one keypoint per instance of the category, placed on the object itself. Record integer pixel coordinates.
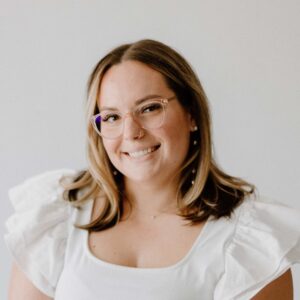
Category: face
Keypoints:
(144, 155)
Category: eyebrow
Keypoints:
(137, 102)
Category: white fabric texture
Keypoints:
(265, 244)
(230, 259)
(38, 229)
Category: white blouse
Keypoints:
(230, 259)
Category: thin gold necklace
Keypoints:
(152, 216)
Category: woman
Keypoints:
(153, 217)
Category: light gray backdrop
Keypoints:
(245, 52)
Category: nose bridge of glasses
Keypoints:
(132, 115)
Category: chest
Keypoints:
(150, 245)
(168, 269)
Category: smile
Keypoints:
(143, 152)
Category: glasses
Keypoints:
(150, 114)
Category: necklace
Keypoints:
(168, 209)
(152, 216)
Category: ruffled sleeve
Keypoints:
(265, 244)
(38, 230)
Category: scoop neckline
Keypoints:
(199, 241)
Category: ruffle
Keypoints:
(38, 230)
(266, 243)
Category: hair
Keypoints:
(204, 189)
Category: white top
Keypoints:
(231, 258)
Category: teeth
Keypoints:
(141, 153)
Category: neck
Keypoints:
(152, 199)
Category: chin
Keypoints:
(140, 177)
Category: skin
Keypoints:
(149, 181)
(21, 288)
(279, 289)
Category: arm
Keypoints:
(280, 288)
(20, 288)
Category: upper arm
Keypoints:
(21, 288)
(280, 288)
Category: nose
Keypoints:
(132, 130)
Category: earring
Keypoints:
(195, 128)
(193, 172)
(115, 172)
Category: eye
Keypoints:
(151, 107)
(110, 118)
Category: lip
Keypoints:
(156, 147)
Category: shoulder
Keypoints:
(40, 191)
(37, 231)
(41, 183)
(265, 242)
(263, 215)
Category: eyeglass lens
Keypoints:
(149, 115)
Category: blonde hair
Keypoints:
(204, 189)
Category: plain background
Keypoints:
(246, 54)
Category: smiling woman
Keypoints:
(152, 216)
(145, 154)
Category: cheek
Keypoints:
(176, 138)
(177, 128)
(110, 147)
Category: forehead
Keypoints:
(129, 81)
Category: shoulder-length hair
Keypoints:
(204, 189)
